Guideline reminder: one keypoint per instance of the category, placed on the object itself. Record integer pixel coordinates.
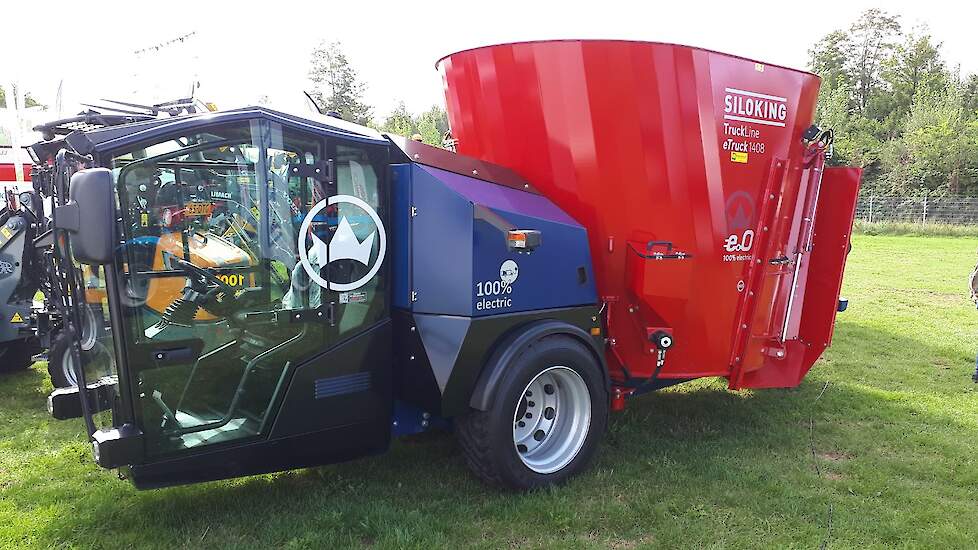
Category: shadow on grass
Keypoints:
(697, 437)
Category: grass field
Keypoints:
(911, 229)
(895, 437)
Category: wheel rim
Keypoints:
(89, 332)
(89, 337)
(551, 420)
(68, 369)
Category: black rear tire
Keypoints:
(16, 355)
(487, 437)
(93, 328)
(59, 353)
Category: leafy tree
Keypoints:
(871, 39)
(969, 97)
(432, 125)
(943, 142)
(856, 143)
(830, 61)
(337, 87)
(399, 121)
(914, 69)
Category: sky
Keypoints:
(241, 51)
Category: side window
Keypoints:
(291, 196)
(359, 271)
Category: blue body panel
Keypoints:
(401, 218)
(547, 278)
(458, 264)
(441, 247)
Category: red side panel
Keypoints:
(816, 295)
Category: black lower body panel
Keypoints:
(312, 449)
(337, 407)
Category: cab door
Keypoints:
(343, 262)
(234, 324)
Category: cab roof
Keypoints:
(87, 141)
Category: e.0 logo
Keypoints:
(740, 243)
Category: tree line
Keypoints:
(898, 109)
(337, 87)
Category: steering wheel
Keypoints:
(202, 280)
(205, 290)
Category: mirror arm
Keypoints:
(66, 217)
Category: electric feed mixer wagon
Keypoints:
(282, 291)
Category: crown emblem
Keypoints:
(343, 246)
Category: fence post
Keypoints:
(871, 208)
(925, 211)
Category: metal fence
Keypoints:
(922, 210)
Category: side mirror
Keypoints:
(90, 216)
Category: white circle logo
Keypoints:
(508, 272)
(344, 245)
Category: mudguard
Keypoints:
(513, 342)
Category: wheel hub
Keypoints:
(551, 419)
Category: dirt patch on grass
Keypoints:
(951, 298)
(834, 456)
(624, 544)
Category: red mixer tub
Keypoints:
(717, 237)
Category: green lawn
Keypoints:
(896, 437)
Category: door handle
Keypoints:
(781, 260)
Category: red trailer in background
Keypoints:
(718, 235)
(12, 161)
